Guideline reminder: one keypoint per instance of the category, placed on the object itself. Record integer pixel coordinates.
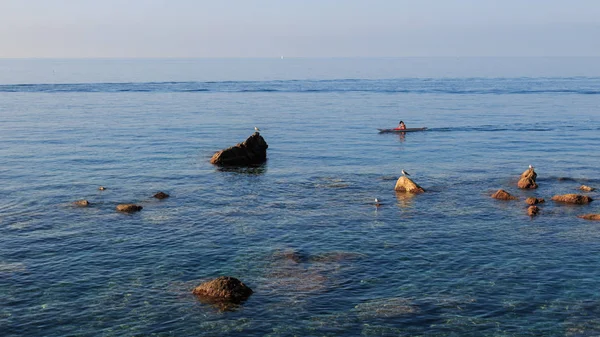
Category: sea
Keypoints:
(303, 230)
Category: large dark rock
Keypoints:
(573, 199)
(223, 288)
(405, 184)
(527, 179)
(253, 151)
(503, 195)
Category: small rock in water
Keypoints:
(586, 188)
(533, 210)
(81, 203)
(101, 188)
(503, 195)
(527, 180)
(590, 216)
(223, 288)
(534, 201)
(161, 195)
(573, 199)
(405, 184)
(129, 208)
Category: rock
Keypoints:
(586, 188)
(81, 203)
(405, 184)
(573, 199)
(223, 288)
(590, 216)
(129, 208)
(252, 151)
(161, 195)
(527, 180)
(101, 188)
(503, 195)
(534, 201)
(533, 210)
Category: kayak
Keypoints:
(405, 130)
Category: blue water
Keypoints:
(449, 262)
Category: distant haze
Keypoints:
(300, 28)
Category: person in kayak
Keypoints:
(401, 126)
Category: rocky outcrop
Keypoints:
(252, 151)
(527, 180)
(533, 210)
(534, 201)
(573, 199)
(503, 195)
(161, 195)
(590, 216)
(223, 288)
(405, 184)
(81, 203)
(586, 188)
(129, 208)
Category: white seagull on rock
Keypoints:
(256, 129)
(531, 167)
(405, 173)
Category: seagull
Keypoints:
(377, 204)
(405, 173)
(256, 129)
(531, 167)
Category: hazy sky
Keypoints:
(298, 28)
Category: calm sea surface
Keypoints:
(302, 230)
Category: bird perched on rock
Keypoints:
(405, 173)
(530, 166)
(256, 129)
(377, 203)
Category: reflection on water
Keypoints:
(250, 170)
(405, 199)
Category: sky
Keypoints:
(298, 28)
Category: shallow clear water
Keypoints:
(449, 262)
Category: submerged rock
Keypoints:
(527, 180)
(405, 184)
(573, 199)
(129, 208)
(81, 203)
(223, 288)
(161, 195)
(533, 210)
(503, 195)
(590, 216)
(252, 151)
(101, 188)
(534, 201)
(586, 188)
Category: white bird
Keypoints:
(256, 129)
(531, 167)
(377, 204)
(405, 173)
